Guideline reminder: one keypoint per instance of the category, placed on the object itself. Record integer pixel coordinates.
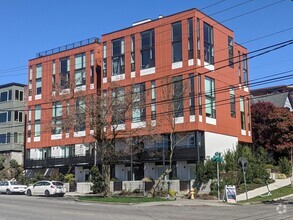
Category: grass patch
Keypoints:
(121, 199)
(277, 193)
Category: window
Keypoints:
(4, 138)
(232, 102)
(178, 96)
(248, 113)
(92, 71)
(57, 118)
(80, 116)
(118, 112)
(199, 94)
(198, 37)
(208, 44)
(5, 96)
(153, 96)
(239, 68)
(191, 94)
(53, 75)
(138, 103)
(65, 72)
(245, 73)
(210, 97)
(39, 79)
(80, 74)
(117, 56)
(104, 59)
(230, 51)
(190, 38)
(18, 138)
(242, 113)
(37, 121)
(18, 95)
(5, 116)
(132, 53)
(176, 42)
(18, 116)
(147, 49)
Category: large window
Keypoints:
(176, 42)
(245, 72)
(199, 95)
(92, 71)
(147, 49)
(53, 75)
(198, 37)
(56, 118)
(5, 116)
(5, 96)
(232, 102)
(242, 113)
(118, 57)
(190, 38)
(118, 106)
(132, 53)
(65, 72)
(39, 79)
(37, 121)
(153, 97)
(80, 116)
(191, 95)
(208, 44)
(80, 65)
(104, 59)
(30, 83)
(210, 97)
(178, 96)
(138, 103)
(230, 51)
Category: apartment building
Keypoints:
(188, 82)
(12, 111)
(58, 81)
(191, 62)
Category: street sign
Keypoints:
(242, 162)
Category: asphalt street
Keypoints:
(14, 207)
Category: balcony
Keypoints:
(59, 162)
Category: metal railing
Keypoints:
(68, 47)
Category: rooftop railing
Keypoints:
(68, 47)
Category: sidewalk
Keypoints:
(177, 202)
(263, 190)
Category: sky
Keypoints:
(31, 26)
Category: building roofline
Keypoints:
(192, 9)
(67, 47)
(12, 84)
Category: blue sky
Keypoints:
(31, 26)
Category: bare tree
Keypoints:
(172, 97)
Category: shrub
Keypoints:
(13, 164)
(69, 178)
(97, 180)
(115, 180)
(258, 181)
(285, 166)
(172, 193)
(136, 191)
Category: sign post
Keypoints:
(243, 163)
(218, 159)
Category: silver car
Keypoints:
(47, 188)
(10, 187)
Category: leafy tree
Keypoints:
(2, 159)
(13, 163)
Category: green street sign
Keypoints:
(218, 158)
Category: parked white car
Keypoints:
(47, 188)
(10, 187)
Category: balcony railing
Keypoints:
(57, 162)
(68, 47)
